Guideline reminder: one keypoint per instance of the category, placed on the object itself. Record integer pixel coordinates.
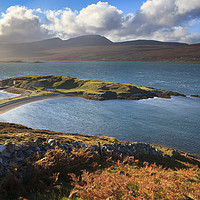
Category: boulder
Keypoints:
(174, 154)
(52, 142)
(109, 95)
(2, 148)
(10, 146)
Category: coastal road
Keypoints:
(5, 107)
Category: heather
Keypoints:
(84, 173)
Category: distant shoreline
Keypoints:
(45, 61)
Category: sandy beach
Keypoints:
(5, 107)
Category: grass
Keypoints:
(20, 134)
(40, 85)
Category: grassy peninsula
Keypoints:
(86, 88)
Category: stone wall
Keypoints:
(16, 155)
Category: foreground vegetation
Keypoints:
(82, 174)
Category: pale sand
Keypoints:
(5, 107)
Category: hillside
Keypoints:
(99, 48)
(47, 165)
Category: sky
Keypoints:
(118, 20)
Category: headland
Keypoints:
(36, 88)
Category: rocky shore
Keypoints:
(138, 96)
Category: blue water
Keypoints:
(5, 95)
(171, 122)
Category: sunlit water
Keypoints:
(171, 122)
(5, 95)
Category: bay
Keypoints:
(170, 122)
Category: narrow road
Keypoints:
(5, 107)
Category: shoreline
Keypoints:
(5, 107)
(100, 60)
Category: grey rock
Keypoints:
(17, 147)
(10, 147)
(8, 142)
(24, 147)
(28, 153)
(20, 154)
(159, 152)
(6, 154)
(37, 148)
(175, 153)
(33, 144)
(52, 142)
(94, 148)
(2, 148)
(17, 153)
(166, 156)
(19, 159)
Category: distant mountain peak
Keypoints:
(88, 40)
(150, 42)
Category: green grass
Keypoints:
(40, 84)
(20, 134)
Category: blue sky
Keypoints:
(125, 5)
(118, 20)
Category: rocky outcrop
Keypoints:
(195, 95)
(14, 156)
(108, 95)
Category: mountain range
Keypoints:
(99, 48)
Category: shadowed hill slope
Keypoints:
(99, 48)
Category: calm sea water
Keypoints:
(5, 95)
(171, 122)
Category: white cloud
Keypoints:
(178, 33)
(156, 19)
(170, 12)
(19, 24)
(165, 20)
(100, 18)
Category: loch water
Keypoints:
(6, 95)
(171, 122)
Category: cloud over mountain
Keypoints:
(19, 24)
(100, 18)
(156, 19)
